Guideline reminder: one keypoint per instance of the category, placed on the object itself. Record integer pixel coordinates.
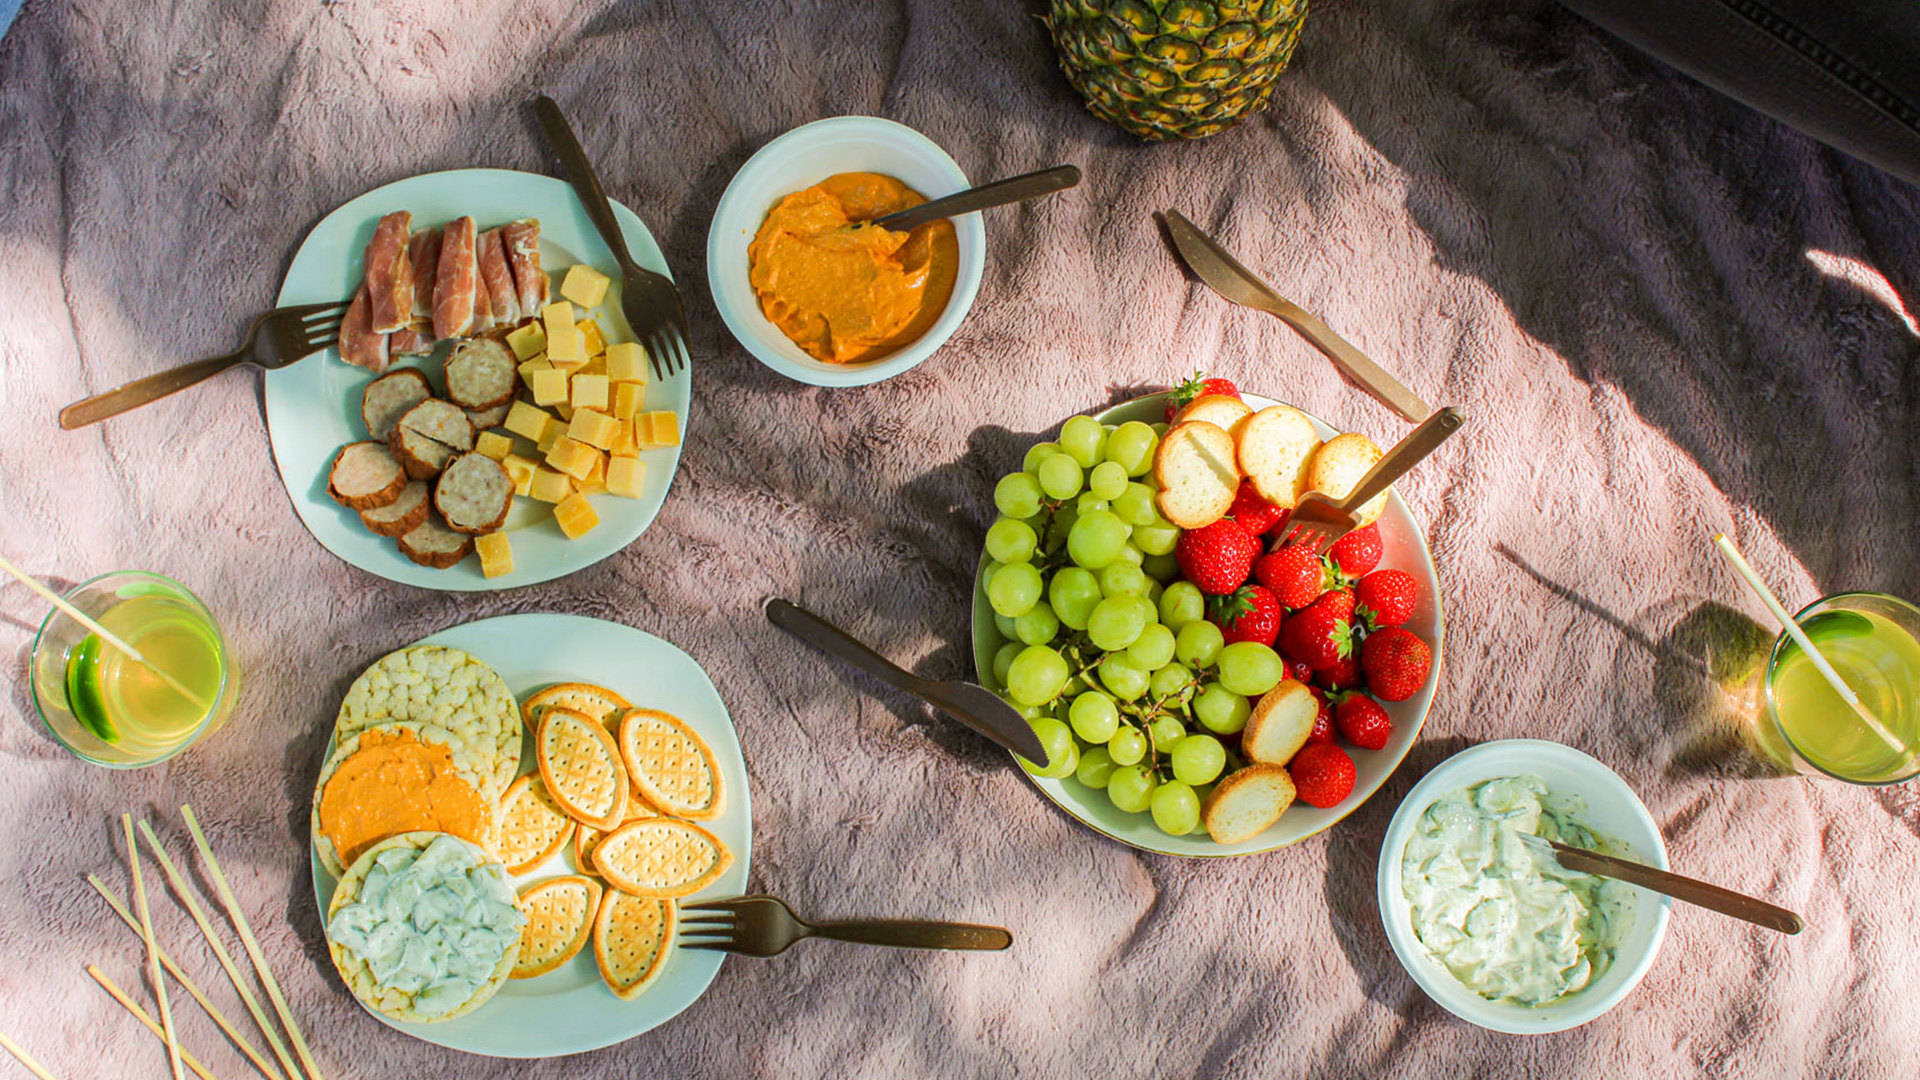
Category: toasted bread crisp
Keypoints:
(560, 917)
(1276, 446)
(670, 764)
(662, 858)
(1220, 410)
(632, 937)
(1280, 723)
(1247, 803)
(1198, 476)
(582, 767)
(1338, 468)
(531, 825)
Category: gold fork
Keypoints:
(1317, 520)
(764, 926)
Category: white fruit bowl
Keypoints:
(1403, 546)
(801, 158)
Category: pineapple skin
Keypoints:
(1174, 69)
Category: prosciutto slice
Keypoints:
(359, 344)
(390, 273)
(497, 278)
(454, 281)
(522, 242)
(423, 251)
(482, 299)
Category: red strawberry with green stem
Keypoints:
(1343, 674)
(1249, 613)
(1320, 634)
(1386, 598)
(1253, 512)
(1396, 662)
(1294, 574)
(1322, 774)
(1218, 557)
(1357, 553)
(1323, 720)
(1363, 722)
(1198, 386)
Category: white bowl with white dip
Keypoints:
(1581, 790)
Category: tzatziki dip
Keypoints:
(1505, 917)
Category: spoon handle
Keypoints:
(838, 644)
(1711, 897)
(1011, 190)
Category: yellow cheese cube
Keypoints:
(627, 362)
(594, 428)
(625, 476)
(493, 444)
(566, 344)
(525, 420)
(575, 516)
(549, 387)
(595, 365)
(623, 441)
(596, 479)
(571, 456)
(596, 342)
(538, 363)
(496, 554)
(589, 391)
(584, 285)
(571, 367)
(565, 410)
(520, 471)
(656, 429)
(555, 432)
(555, 316)
(550, 486)
(627, 399)
(529, 341)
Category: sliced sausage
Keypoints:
(387, 398)
(429, 435)
(431, 543)
(364, 476)
(488, 419)
(473, 494)
(400, 516)
(481, 374)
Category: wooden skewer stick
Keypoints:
(187, 900)
(193, 990)
(252, 945)
(106, 635)
(140, 1014)
(153, 950)
(24, 1058)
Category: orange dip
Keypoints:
(395, 783)
(847, 292)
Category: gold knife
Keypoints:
(1224, 275)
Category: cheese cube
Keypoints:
(656, 429)
(584, 285)
(575, 516)
(520, 471)
(549, 387)
(538, 363)
(625, 476)
(572, 457)
(529, 341)
(627, 399)
(493, 445)
(554, 433)
(595, 365)
(496, 554)
(571, 367)
(566, 344)
(556, 316)
(596, 342)
(565, 410)
(627, 362)
(594, 428)
(550, 486)
(623, 441)
(589, 391)
(525, 420)
(596, 479)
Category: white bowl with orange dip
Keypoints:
(815, 295)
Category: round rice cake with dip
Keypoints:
(424, 927)
(399, 778)
(445, 688)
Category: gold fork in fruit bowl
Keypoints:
(1317, 520)
(764, 926)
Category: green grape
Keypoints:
(1122, 578)
(1063, 754)
(1131, 787)
(1108, 480)
(1161, 568)
(1084, 439)
(1096, 767)
(1094, 717)
(1003, 659)
(1159, 428)
(1005, 625)
(1197, 759)
(1153, 648)
(1159, 538)
(1015, 589)
(1017, 495)
(1131, 555)
(1135, 504)
(1170, 681)
(1176, 809)
(1198, 644)
(1115, 623)
(1038, 453)
(1073, 593)
(1127, 747)
(1096, 539)
(1088, 502)
(1220, 710)
(1182, 603)
(1037, 625)
(1035, 712)
(1009, 540)
(1124, 677)
(1250, 668)
(1131, 447)
(1165, 731)
(1059, 477)
(1036, 675)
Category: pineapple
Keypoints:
(1174, 69)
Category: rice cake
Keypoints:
(445, 688)
(422, 804)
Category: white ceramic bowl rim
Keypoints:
(1613, 809)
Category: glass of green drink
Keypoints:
(112, 710)
(1870, 639)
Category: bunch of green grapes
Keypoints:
(1108, 655)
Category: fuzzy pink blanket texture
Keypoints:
(1665, 315)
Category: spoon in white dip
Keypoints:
(1699, 893)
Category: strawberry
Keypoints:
(1249, 613)
(1342, 675)
(1299, 671)
(1386, 598)
(1396, 662)
(1322, 774)
(1357, 553)
(1363, 722)
(1255, 514)
(1198, 386)
(1217, 557)
(1318, 634)
(1323, 720)
(1294, 574)
(1338, 601)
